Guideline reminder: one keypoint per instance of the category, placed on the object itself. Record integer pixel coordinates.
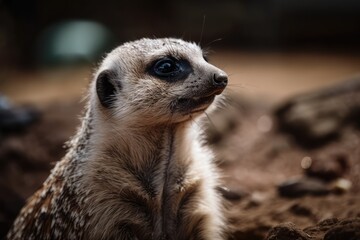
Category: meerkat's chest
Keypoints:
(154, 201)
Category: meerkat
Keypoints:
(137, 167)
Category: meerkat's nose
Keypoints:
(220, 80)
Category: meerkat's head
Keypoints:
(153, 81)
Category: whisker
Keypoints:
(236, 86)
(202, 30)
(213, 41)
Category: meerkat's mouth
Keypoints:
(194, 104)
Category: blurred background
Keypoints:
(272, 50)
(297, 44)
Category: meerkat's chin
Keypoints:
(194, 104)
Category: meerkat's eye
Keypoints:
(170, 69)
(166, 67)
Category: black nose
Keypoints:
(220, 80)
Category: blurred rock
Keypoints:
(287, 231)
(328, 167)
(300, 210)
(329, 229)
(348, 229)
(303, 186)
(15, 119)
(317, 118)
(317, 231)
(250, 233)
(341, 185)
(231, 194)
(256, 199)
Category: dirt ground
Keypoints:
(260, 163)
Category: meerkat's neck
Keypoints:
(133, 148)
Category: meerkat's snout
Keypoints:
(212, 80)
(220, 80)
(200, 89)
(217, 83)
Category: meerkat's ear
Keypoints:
(106, 89)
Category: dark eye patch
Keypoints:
(170, 69)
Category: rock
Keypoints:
(300, 210)
(231, 194)
(329, 229)
(348, 229)
(303, 186)
(287, 231)
(317, 118)
(15, 119)
(318, 231)
(256, 199)
(328, 167)
(341, 186)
